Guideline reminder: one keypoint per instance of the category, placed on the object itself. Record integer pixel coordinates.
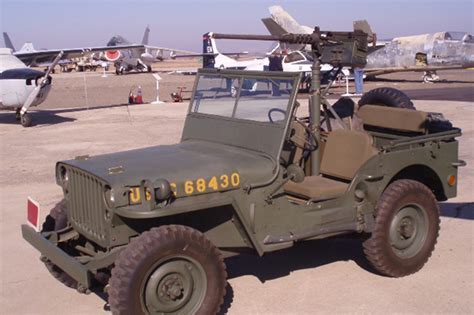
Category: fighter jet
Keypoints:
(136, 59)
(425, 53)
(22, 87)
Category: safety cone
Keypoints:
(131, 98)
(139, 98)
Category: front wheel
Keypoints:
(171, 269)
(406, 229)
(25, 120)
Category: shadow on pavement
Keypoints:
(455, 94)
(305, 255)
(228, 299)
(459, 210)
(38, 118)
(80, 109)
(444, 81)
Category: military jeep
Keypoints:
(154, 225)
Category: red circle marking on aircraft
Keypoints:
(112, 55)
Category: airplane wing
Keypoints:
(169, 49)
(47, 56)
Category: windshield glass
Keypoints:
(249, 98)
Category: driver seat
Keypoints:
(345, 152)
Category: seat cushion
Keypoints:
(316, 187)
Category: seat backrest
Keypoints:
(401, 119)
(298, 137)
(345, 152)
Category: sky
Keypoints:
(180, 23)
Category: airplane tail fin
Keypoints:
(209, 50)
(146, 35)
(8, 42)
(273, 27)
(364, 26)
(287, 22)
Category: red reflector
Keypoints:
(33, 210)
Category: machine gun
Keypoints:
(340, 49)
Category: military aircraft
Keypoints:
(137, 59)
(44, 58)
(425, 53)
(22, 87)
(125, 55)
(292, 61)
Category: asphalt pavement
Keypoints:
(326, 276)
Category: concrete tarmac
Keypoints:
(327, 276)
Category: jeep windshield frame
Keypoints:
(242, 116)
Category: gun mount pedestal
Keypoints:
(336, 48)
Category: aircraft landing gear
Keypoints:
(25, 120)
(430, 77)
(18, 114)
(148, 68)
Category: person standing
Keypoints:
(359, 80)
(275, 63)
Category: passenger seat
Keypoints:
(345, 152)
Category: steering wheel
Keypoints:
(272, 110)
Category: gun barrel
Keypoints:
(246, 37)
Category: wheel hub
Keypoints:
(408, 231)
(175, 286)
(172, 287)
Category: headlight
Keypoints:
(162, 189)
(109, 197)
(63, 176)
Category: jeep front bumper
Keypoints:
(51, 252)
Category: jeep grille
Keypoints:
(86, 205)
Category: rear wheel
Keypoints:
(168, 270)
(386, 97)
(55, 221)
(406, 229)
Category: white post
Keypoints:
(103, 65)
(347, 87)
(157, 78)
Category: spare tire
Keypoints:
(386, 97)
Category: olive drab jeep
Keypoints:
(250, 174)
(154, 225)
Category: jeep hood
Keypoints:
(176, 163)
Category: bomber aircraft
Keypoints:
(125, 55)
(39, 58)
